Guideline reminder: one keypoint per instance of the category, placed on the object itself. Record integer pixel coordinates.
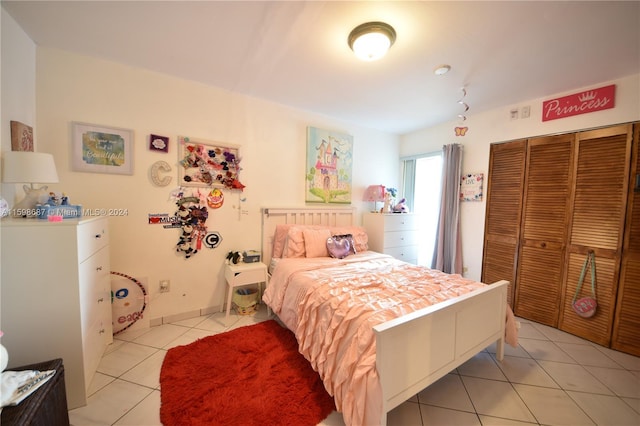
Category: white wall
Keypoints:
(272, 141)
(496, 126)
(18, 87)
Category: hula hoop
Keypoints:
(144, 299)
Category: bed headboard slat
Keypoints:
(344, 216)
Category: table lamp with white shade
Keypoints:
(29, 167)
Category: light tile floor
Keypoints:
(551, 378)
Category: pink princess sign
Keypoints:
(579, 103)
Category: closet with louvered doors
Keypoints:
(598, 208)
(545, 213)
(502, 215)
(551, 200)
(626, 323)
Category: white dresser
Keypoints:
(56, 296)
(395, 234)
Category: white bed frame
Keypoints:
(417, 349)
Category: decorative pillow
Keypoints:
(360, 237)
(279, 240)
(315, 242)
(294, 247)
(340, 246)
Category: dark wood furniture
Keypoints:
(47, 406)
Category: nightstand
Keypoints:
(243, 274)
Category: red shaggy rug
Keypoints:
(252, 375)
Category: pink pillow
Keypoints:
(279, 240)
(315, 242)
(294, 247)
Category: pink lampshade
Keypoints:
(374, 193)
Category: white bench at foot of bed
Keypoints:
(417, 349)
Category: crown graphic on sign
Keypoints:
(588, 96)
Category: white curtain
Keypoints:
(447, 254)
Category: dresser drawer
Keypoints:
(400, 222)
(92, 236)
(95, 309)
(94, 343)
(245, 277)
(407, 253)
(400, 239)
(94, 294)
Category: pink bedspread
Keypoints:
(332, 305)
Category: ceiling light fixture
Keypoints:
(371, 40)
(441, 69)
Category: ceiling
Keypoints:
(295, 53)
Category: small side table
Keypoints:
(47, 406)
(242, 274)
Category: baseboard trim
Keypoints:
(183, 316)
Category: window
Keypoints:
(421, 188)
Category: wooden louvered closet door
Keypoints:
(547, 192)
(626, 324)
(598, 206)
(502, 216)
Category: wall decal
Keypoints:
(215, 199)
(155, 170)
(213, 239)
(162, 219)
(461, 131)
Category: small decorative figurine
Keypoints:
(401, 207)
(57, 207)
(233, 257)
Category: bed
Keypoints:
(384, 359)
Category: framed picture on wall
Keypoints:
(329, 163)
(471, 187)
(21, 137)
(158, 143)
(207, 163)
(101, 149)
